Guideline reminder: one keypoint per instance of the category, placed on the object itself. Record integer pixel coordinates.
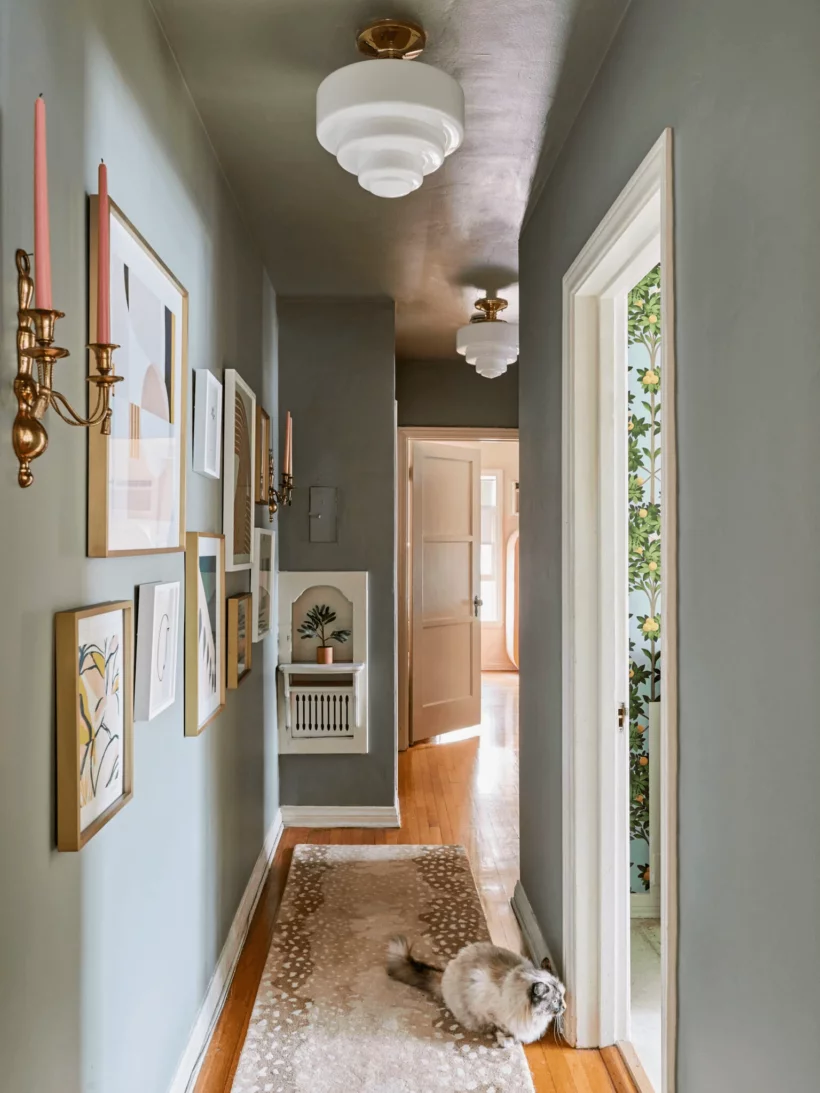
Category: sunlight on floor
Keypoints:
(646, 996)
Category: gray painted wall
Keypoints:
(105, 955)
(739, 83)
(336, 376)
(451, 393)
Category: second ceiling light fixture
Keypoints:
(390, 123)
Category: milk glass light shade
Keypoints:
(489, 343)
(390, 121)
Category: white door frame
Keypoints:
(635, 234)
(406, 435)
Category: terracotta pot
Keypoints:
(324, 655)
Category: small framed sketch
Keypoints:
(263, 446)
(239, 639)
(204, 630)
(262, 583)
(155, 684)
(136, 474)
(95, 706)
(238, 491)
(207, 423)
(514, 498)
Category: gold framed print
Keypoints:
(95, 718)
(136, 475)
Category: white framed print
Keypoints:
(238, 490)
(207, 423)
(262, 582)
(157, 649)
(136, 472)
(204, 629)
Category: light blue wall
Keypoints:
(105, 955)
(739, 83)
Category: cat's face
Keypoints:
(547, 994)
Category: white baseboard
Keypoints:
(645, 904)
(533, 938)
(194, 1054)
(341, 816)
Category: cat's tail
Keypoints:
(402, 965)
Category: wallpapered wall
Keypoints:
(644, 492)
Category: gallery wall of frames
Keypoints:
(116, 663)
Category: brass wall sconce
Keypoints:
(282, 496)
(35, 344)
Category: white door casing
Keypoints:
(446, 662)
(635, 235)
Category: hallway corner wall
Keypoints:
(739, 84)
(106, 954)
(337, 377)
(451, 394)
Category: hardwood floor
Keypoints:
(462, 788)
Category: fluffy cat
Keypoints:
(486, 988)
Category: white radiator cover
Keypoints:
(322, 707)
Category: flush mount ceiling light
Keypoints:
(488, 342)
(390, 123)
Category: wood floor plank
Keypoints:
(466, 792)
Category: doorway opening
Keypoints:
(619, 620)
(457, 574)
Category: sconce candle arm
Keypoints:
(282, 496)
(35, 342)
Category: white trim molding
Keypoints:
(341, 816)
(530, 930)
(194, 1053)
(633, 237)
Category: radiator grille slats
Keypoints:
(322, 711)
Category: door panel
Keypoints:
(445, 678)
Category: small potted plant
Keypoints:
(316, 624)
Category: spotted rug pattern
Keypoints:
(328, 1019)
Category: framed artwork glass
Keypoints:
(262, 583)
(238, 489)
(136, 475)
(263, 447)
(207, 423)
(95, 706)
(204, 630)
(157, 647)
(239, 639)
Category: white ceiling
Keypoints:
(253, 67)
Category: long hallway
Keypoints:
(462, 788)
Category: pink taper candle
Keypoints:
(103, 259)
(288, 465)
(42, 245)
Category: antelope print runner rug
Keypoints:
(328, 1019)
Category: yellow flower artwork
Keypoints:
(99, 683)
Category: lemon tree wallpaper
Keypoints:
(644, 486)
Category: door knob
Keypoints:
(478, 603)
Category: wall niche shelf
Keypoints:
(323, 707)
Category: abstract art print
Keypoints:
(95, 703)
(157, 649)
(262, 583)
(263, 447)
(136, 475)
(204, 630)
(239, 490)
(239, 639)
(207, 423)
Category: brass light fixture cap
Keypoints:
(392, 38)
(489, 306)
